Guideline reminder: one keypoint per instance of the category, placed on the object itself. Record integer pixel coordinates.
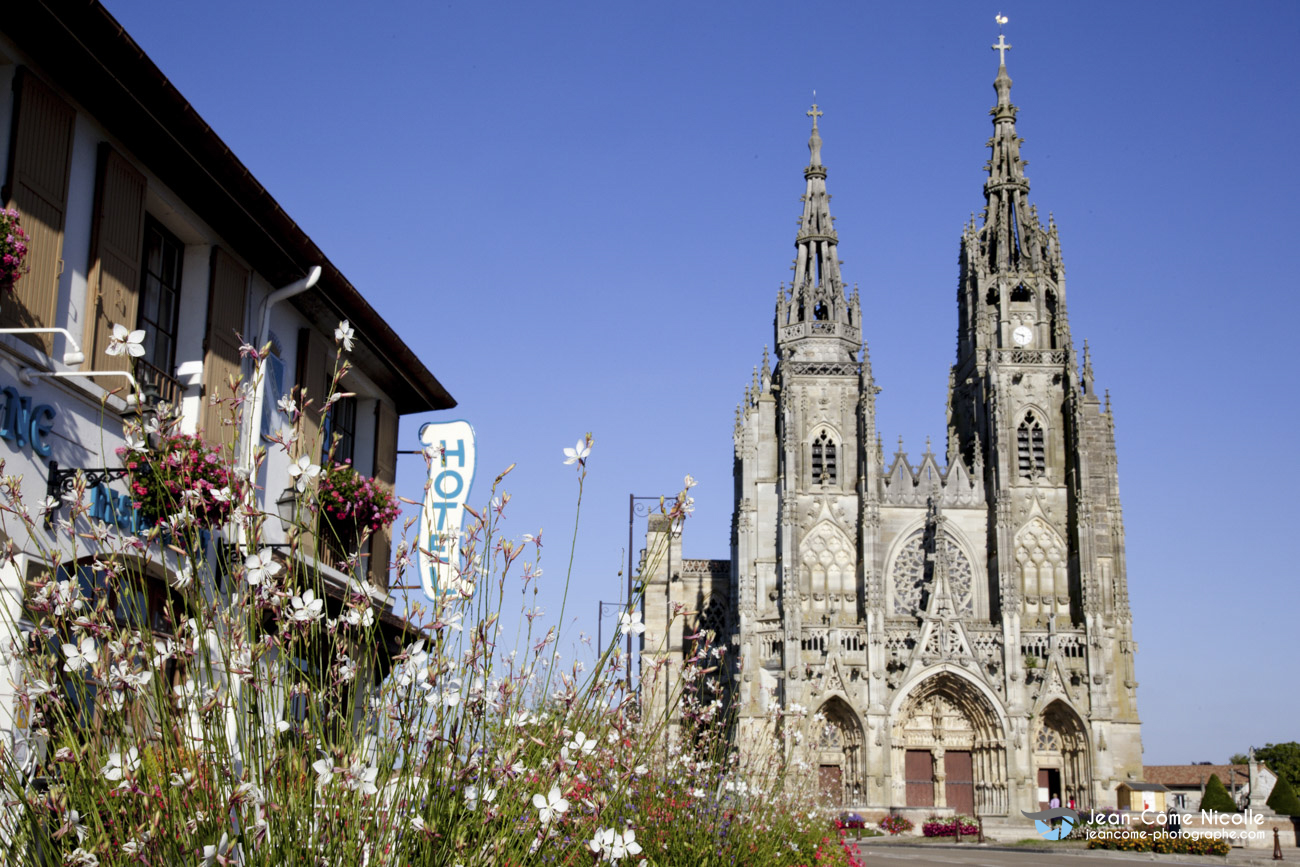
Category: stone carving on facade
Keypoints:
(1041, 561)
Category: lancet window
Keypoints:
(824, 465)
(1031, 444)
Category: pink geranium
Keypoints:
(13, 249)
(180, 463)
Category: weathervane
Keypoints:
(1001, 47)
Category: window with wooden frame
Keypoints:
(160, 294)
(340, 422)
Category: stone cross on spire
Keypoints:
(1001, 48)
(815, 140)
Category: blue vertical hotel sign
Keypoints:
(450, 446)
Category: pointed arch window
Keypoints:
(1021, 294)
(824, 464)
(1031, 447)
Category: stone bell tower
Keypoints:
(1023, 405)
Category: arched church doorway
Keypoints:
(837, 754)
(1061, 756)
(949, 749)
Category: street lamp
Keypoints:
(600, 631)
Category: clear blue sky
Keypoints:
(578, 215)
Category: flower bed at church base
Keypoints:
(1158, 843)
(937, 827)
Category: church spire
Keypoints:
(817, 280)
(1014, 238)
(817, 291)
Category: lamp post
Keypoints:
(600, 627)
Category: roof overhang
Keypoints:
(88, 54)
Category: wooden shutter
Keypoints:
(381, 543)
(313, 376)
(117, 238)
(227, 299)
(40, 159)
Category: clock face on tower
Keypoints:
(1022, 335)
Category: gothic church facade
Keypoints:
(953, 632)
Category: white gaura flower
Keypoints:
(119, 764)
(447, 695)
(220, 495)
(260, 566)
(220, 853)
(182, 778)
(136, 443)
(579, 452)
(623, 846)
(359, 617)
(184, 575)
(72, 825)
(601, 841)
(344, 334)
(362, 779)
(125, 341)
(120, 673)
(287, 405)
(550, 806)
(133, 847)
(347, 669)
(324, 769)
(37, 688)
(77, 657)
(67, 598)
(629, 623)
(302, 471)
(307, 607)
(581, 745)
(80, 858)
(474, 796)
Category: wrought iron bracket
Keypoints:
(62, 481)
